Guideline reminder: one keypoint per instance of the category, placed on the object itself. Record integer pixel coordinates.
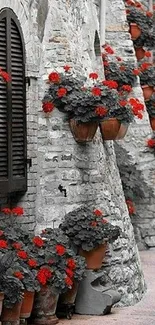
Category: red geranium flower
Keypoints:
(149, 14)
(145, 65)
(54, 77)
(17, 245)
(130, 206)
(43, 275)
(93, 224)
(151, 143)
(69, 272)
(71, 263)
(148, 54)
(60, 250)
(47, 107)
(127, 88)
(66, 68)
(22, 254)
(38, 241)
(98, 212)
(109, 49)
(19, 275)
(101, 111)
(118, 58)
(105, 63)
(93, 75)
(135, 72)
(6, 77)
(6, 210)
(123, 102)
(32, 263)
(61, 92)
(1, 233)
(110, 83)
(96, 91)
(3, 244)
(68, 281)
(18, 211)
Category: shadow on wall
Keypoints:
(137, 190)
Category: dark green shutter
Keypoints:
(13, 173)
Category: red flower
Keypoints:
(127, 11)
(61, 92)
(22, 254)
(6, 77)
(68, 281)
(47, 107)
(60, 250)
(93, 75)
(18, 275)
(110, 83)
(3, 244)
(130, 206)
(18, 211)
(66, 68)
(6, 210)
(130, 3)
(138, 5)
(109, 49)
(32, 263)
(149, 14)
(147, 54)
(98, 213)
(17, 245)
(38, 241)
(105, 63)
(71, 263)
(118, 58)
(122, 68)
(127, 88)
(135, 72)
(69, 272)
(151, 143)
(96, 91)
(93, 224)
(44, 275)
(1, 233)
(54, 77)
(123, 102)
(101, 111)
(144, 66)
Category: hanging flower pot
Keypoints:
(94, 257)
(44, 307)
(152, 122)
(1, 301)
(147, 91)
(122, 131)
(135, 31)
(83, 132)
(11, 315)
(27, 304)
(140, 53)
(110, 128)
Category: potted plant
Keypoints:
(89, 232)
(150, 106)
(147, 79)
(54, 274)
(140, 21)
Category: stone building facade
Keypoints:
(57, 32)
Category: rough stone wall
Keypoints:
(58, 32)
(88, 173)
(137, 163)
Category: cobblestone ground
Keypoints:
(142, 313)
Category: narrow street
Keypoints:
(142, 313)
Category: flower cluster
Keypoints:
(151, 143)
(131, 207)
(43, 275)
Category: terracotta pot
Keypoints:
(1, 301)
(11, 315)
(70, 295)
(44, 307)
(152, 122)
(140, 53)
(94, 258)
(110, 128)
(122, 131)
(147, 91)
(27, 304)
(135, 31)
(83, 132)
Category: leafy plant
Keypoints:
(87, 229)
(147, 74)
(150, 106)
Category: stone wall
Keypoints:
(58, 32)
(136, 162)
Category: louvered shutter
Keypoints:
(13, 173)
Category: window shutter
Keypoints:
(13, 173)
